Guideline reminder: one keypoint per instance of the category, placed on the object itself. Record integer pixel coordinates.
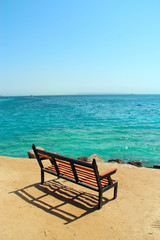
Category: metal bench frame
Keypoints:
(54, 158)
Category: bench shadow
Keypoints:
(85, 202)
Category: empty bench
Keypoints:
(79, 172)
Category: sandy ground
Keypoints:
(62, 210)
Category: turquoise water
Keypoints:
(112, 126)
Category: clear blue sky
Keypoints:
(79, 47)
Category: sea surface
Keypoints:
(112, 126)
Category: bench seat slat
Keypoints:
(86, 176)
(64, 171)
(83, 168)
(88, 182)
(67, 175)
(88, 179)
(60, 165)
(52, 168)
(65, 168)
(89, 175)
(105, 182)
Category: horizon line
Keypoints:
(79, 94)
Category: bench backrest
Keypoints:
(69, 168)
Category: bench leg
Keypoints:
(115, 190)
(42, 176)
(100, 200)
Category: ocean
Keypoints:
(112, 126)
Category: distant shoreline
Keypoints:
(83, 94)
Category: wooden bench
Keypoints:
(79, 172)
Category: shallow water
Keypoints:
(112, 126)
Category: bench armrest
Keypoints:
(108, 173)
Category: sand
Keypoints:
(62, 210)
